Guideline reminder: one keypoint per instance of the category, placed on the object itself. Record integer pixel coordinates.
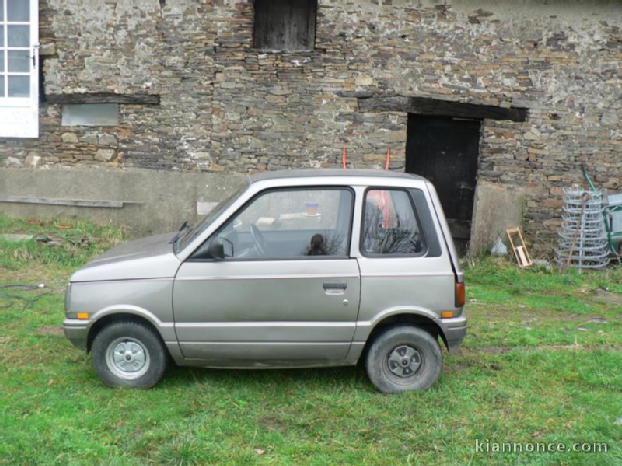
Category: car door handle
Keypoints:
(335, 289)
(335, 286)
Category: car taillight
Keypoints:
(460, 294)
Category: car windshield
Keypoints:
(192, 233)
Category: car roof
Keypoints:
(332, 172)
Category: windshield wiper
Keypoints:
(179, 232)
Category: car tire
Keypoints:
(129, 354)
(403, 358)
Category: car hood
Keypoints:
(150, 257)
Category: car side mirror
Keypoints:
(219, 249)
(216, 250)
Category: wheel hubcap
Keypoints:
(404, 361)
(127, 358)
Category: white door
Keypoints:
(19, 69)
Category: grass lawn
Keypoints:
(542, 363)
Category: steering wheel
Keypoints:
(259, 239)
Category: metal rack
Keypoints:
(582, 241)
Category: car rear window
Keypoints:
(393, 226)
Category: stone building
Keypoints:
(499, 102)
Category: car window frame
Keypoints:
(262, 192)
(413, 206)
(184, 241)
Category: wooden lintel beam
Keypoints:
(437, 107)
(103, 98)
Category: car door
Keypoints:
(287, 292)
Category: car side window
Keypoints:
(390, 225)
(288, 224)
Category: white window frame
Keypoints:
(19, 116)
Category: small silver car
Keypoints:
(298, 268)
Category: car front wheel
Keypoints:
(129, 354)
(404, 358)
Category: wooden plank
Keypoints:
(65, 202)
(103, 98)
(437, 107)
(520, 251)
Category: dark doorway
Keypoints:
(445, 151)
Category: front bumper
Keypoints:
(77, 332)
(454, 331)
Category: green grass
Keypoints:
(58, 245)
(542, 363)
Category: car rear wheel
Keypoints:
(129, 354)
(403, 358)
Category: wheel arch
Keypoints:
(413, 317)
(120, 316)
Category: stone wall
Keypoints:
(227, 108)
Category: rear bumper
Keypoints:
(76, 331)
(454, 331)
